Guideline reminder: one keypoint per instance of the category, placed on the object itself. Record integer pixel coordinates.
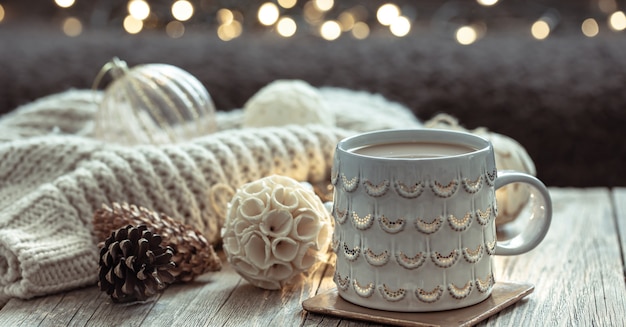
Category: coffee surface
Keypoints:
(413, 150)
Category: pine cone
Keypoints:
(193, 254)
(134, 265)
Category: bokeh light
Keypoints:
(324, 5)
(132, 25)
(330, 30)
(401, 26)
(607, 6)
(1, 13)
(360, 30)
(268, 14)
(466, 35)
(232, 30)
(139, 9)
(617, 21)
(64, 3)
(312, 15)
(287, 4)
(346, 20)
(182, 10)
(487, 3)
(175, 29)
(540, 30)
(286, 27)
(225, 16)
(590, 27)
(72, 26)
(387, 13)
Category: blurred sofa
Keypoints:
(563, 99)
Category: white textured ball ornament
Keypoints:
(275, 229)
(285, 102)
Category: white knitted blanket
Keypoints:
(53, 176)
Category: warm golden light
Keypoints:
(286, 27)
(132, 25)
(540, 30)
(225, 16)
(466, 35)
(139, 9)
(324, 5)
(346, 20)
(72, 27)
(360, 30)
(387, 13)
(330, 30)
(1, 13)
(227, 32)
(268, 14)
(182, 10)
(487, 3)
(590, 27)
(401, 26)
(617, 21)
(607, 6)
(287, 4)
(64, 3)
(311, 14)
(175, 29)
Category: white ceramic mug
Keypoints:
(414, 215)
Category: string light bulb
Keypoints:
(617, 21)
(64, 3)
(139, 9)
(182, 10)
(387, 13)
(286, 27)
(330, 30)
(401, 26)
(540, 30)
(590, 27)
(466, 35)
(132, 25)
(268, 14)
(72, 27)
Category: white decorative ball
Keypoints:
(285, 102)
(275, 229)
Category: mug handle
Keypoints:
(540, 215)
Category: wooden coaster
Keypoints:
(503, 295)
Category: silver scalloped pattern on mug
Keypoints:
(392, 295)
(409, 192)
(389, 226)
(431, 296)
(363, 290)
(376, 259)
(376, 189)
(460, 292)
(429, 227)
(363, 222)
(472, 186)
(460, 224)
(350, 185)
(490, 177)
(411, 262)
(351, 253)
(444, 191)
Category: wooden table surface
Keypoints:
(578, 273)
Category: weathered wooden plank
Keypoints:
(619, 202)
(577, 270)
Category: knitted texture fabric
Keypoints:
(53, 176)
